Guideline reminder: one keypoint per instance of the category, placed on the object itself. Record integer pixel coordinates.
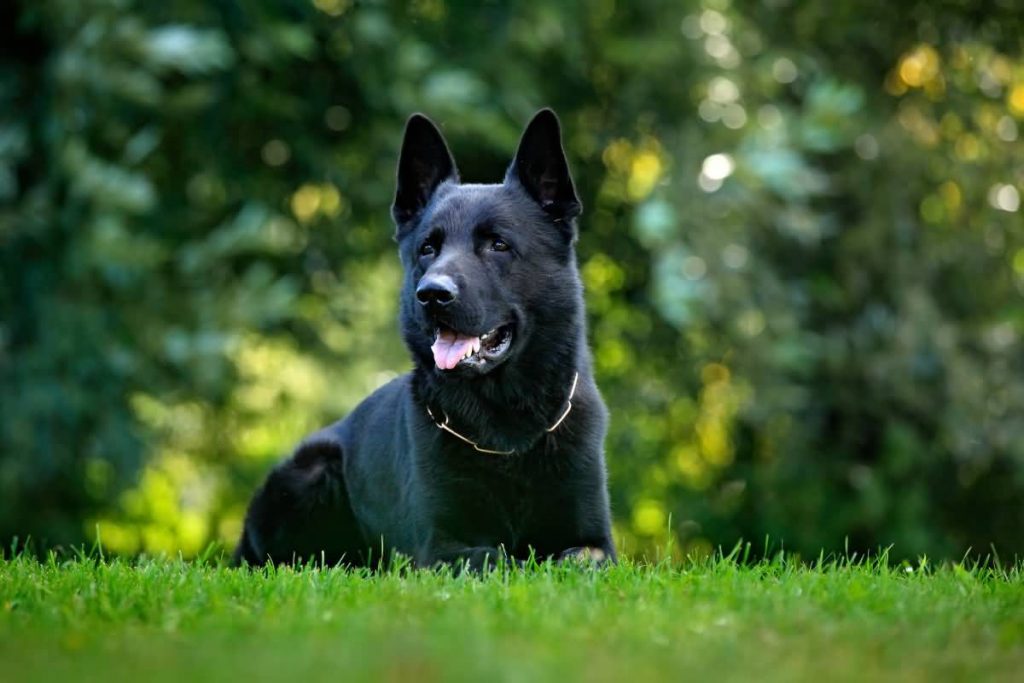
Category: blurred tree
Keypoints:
(802, 249)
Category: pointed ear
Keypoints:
(423, 164)
(540, 167)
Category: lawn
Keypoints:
(714, 619)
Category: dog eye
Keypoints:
(427, 249)
(498, 244)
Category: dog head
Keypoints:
(489, 269)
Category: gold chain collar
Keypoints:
(443, 426)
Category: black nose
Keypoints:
(437, 290)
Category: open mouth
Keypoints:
(452, 348)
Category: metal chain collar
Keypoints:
(443, 426)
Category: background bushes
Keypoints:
(802, 248)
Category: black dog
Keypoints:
(492, 446)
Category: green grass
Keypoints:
(710, 620)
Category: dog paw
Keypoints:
(584, 554)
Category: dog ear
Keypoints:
(540, 167)
(423, 164)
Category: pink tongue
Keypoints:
(449, 348)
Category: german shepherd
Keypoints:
(491, 449)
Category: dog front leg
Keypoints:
(475, 558)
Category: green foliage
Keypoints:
(802, 248)
(775, 620)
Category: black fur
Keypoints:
(385, 478)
